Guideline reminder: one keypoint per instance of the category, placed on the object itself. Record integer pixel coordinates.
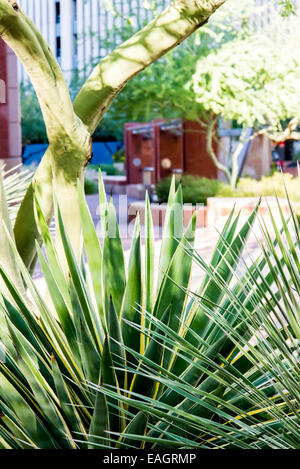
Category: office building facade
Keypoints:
(10, 128)
(81, 31)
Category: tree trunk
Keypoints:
(235, 162)
(69, 128)
(209, 148)
(69, 140)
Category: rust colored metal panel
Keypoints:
(139, 151)
(169, 145)
(197, 160)
(4, 109)
(10, 120)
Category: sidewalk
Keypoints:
(205, 243)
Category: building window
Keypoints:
(58, 47)
(75, 44)
(75, 9)
(57, 12)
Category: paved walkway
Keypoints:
(206, 240)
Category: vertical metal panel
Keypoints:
(92, 16)
(51, 22)
(87, 37)
(80, 34)
(67, 38)
(93, 27)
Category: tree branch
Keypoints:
(69, 149)
(45, 74)
(235, 157)
(210, 150)
(110, 76)
(288, 134)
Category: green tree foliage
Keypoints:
(250, 81)
(160, 91)
(33, 126)
(227, 70)
(287, 7)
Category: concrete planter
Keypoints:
(120, 166)
(159, 212)
(115, 184)
(219, 208)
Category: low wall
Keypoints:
(217, 211)
(159, 213)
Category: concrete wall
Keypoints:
(10, 128)
(259, 158)
(258, 161)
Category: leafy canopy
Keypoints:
(250, 81)
(160, 91)
(223, 58)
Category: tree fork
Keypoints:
(69, 140)
(69, 127)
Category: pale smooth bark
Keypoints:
(211, 128)
(110, 76)
(69, 149)
(25, 228)
(235, 160)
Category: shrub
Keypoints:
(90, 187)
(109, 169)
(33, 126)
(270, 185)
(119, 156)
(194, 189)
(197, 190)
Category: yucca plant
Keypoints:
(238, 386)
(15, 182)
(116, 359)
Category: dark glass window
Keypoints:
(75, 44)
(58, 47)
(75, 9)
(57, 12)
